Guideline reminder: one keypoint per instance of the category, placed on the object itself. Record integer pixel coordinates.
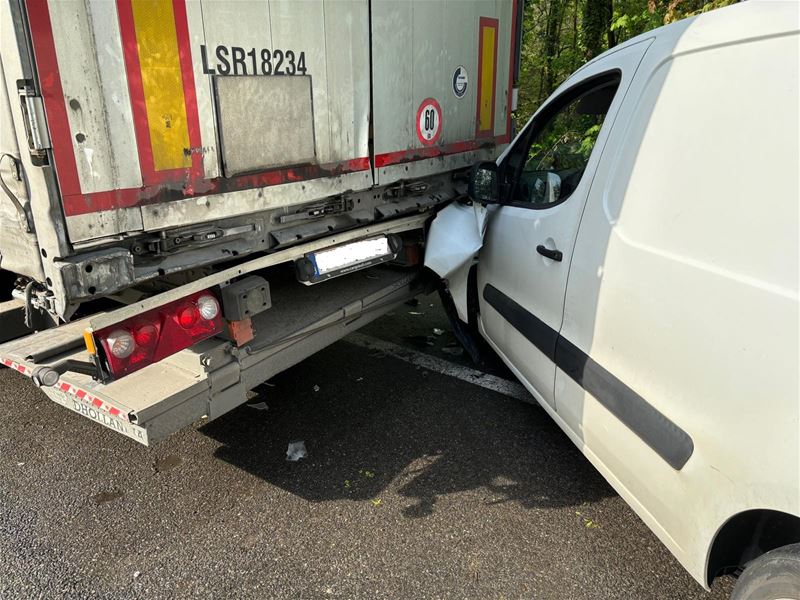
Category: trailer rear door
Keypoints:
(153, 104)
(443, 76)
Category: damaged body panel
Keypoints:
(454, 241)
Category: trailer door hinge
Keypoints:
(35, 123)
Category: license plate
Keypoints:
(340, 260)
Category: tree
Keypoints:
(560, 35)
(598, 35)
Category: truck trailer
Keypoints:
(198, 194)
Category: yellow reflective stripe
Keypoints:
(162, 83)
(487, 78)
(88, 339)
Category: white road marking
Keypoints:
(438, 365)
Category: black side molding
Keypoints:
(537, 332)
(668, 440)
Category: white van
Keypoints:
(633, 258)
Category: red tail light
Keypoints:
(147, 338)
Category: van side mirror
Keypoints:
(483, 183)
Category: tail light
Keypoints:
(155, 334)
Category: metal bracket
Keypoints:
(35, 123)
(334, 206)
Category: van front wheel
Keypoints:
(774, 575)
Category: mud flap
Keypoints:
(454, 239)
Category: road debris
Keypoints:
(376, 501)
(587, 522)
(316, 388)
(259, 405)
(296, 451)
(437, 331)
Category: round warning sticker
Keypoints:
(460, 81)
(429, 121)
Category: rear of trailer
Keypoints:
(154, 153)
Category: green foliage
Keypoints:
(560, 35)
(589, 140)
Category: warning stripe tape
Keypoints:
(68, 388)
(16, 366)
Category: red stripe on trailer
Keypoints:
(133, 70)
(141, 125)
(357, 164)
(154, 194)
(44, 50)
(414, 154)
(189, 90)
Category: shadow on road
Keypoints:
(375, 420)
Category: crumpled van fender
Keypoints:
(454, 240)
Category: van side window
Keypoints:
(550, 163)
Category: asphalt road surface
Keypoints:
(416, 485)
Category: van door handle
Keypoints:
(551, 254)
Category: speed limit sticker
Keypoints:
(429, 122)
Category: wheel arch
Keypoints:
(746, 536)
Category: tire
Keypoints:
(774, 575)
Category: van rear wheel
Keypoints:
(774, 575)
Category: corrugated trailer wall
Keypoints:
(165, 113)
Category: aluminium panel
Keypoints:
(428, 54)
(264, 122)
(89, 51)
(134, 121)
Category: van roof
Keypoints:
(736, 23)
